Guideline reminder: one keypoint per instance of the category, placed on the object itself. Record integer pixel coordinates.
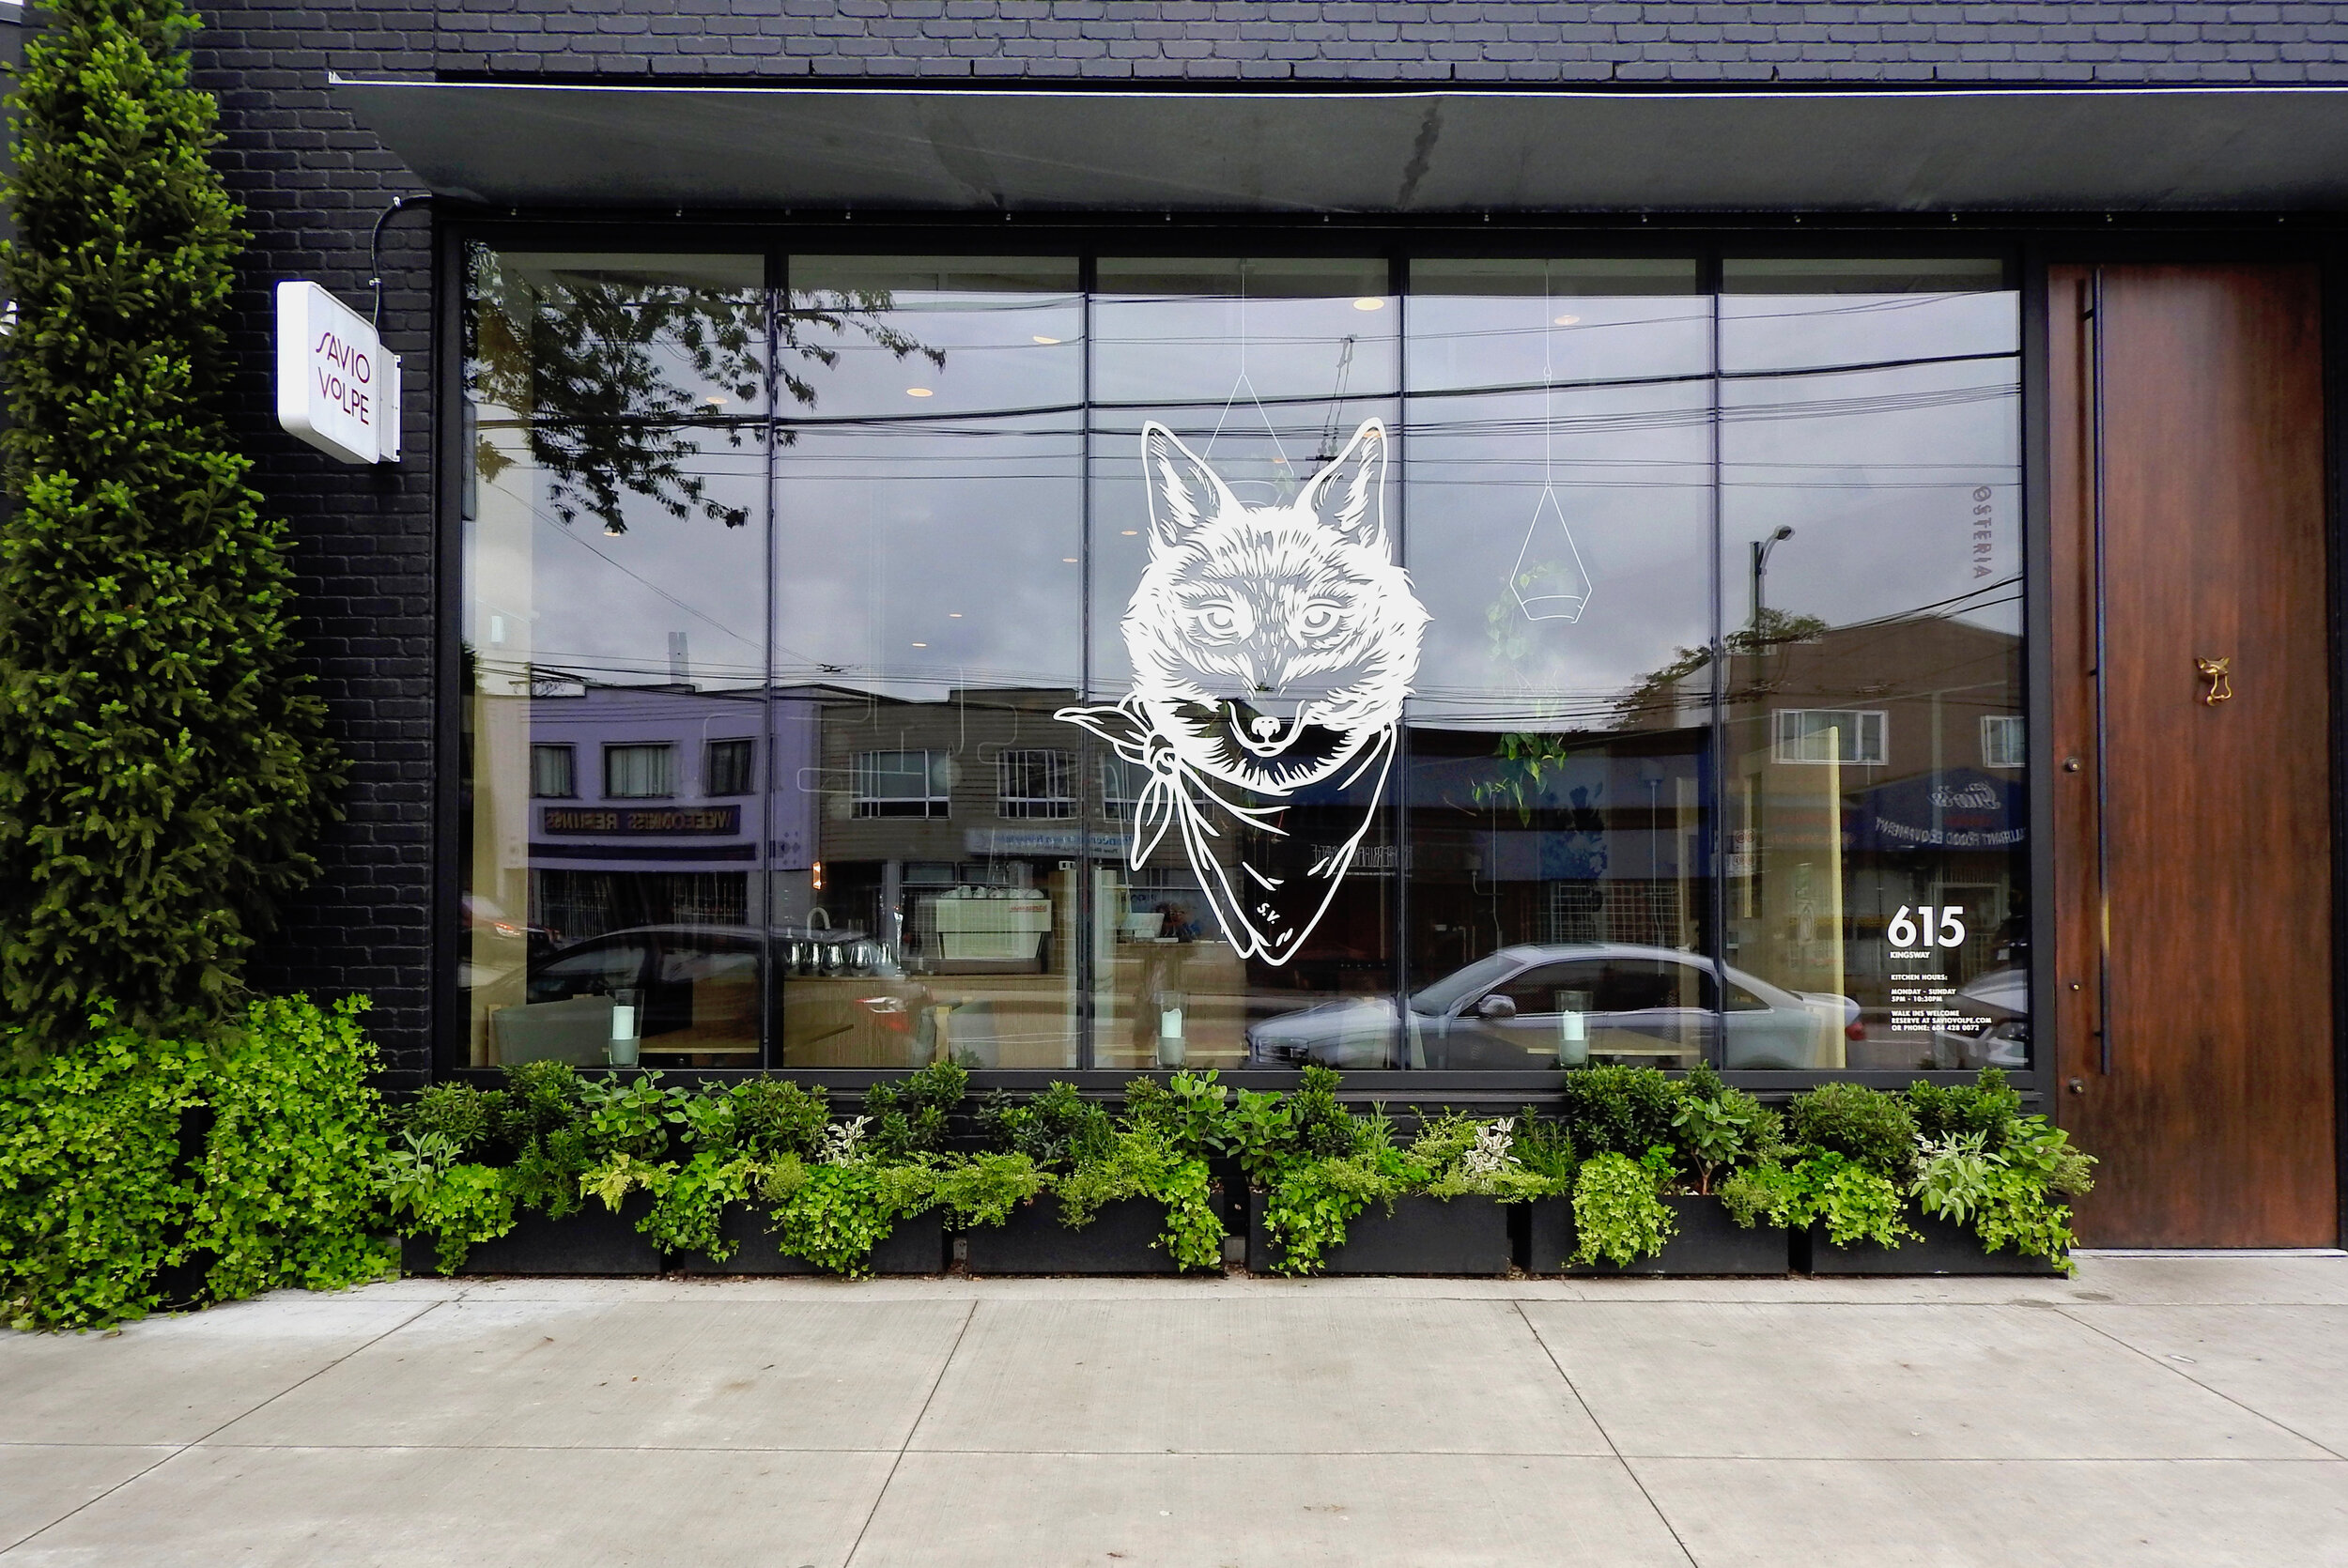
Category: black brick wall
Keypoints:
(1414, 41)
(314, 183)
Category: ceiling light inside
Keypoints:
(919, 392)
(1046, 342)
(1369, 302)
(1567, 320)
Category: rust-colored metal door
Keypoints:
(2193, 854)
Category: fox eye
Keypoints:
(1221, 617)
(1319, 617)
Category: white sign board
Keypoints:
(336, 389)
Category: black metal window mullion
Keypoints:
(1089, 755)
(1717, 838)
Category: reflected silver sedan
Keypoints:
(1565, 1003)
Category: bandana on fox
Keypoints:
(1272, 648)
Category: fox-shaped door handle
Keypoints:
(1271, 649)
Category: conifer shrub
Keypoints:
(163, 764)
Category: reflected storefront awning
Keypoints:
(2020, 150)
(1957, 808)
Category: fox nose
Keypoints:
(1265, 726)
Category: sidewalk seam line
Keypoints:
(2170, 1367)
(881, 1493)
(1636, 1479)
(199, 1439)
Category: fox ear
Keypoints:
(1184, 493)
(1350, 495)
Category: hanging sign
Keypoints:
(336, 389)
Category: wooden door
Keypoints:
(2202, 917)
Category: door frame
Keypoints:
(2040, 253)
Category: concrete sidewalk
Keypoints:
(2186, 1411)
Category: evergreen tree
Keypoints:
(163, 764)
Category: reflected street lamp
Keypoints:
(1761, 548)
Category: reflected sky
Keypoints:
(930, 511)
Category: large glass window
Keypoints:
(1870, 584)
(1475, 663)
(614, 570)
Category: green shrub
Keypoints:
(1192, 1110)
(1456, 1156)
(468, 1117)
(1618, 1110)
(431, 1191)
(285, 1192)
(1311, 1202)
(163, 766)
(1715, 1127)
(1986, 1106)
(774, 1116)
(1059, 1128)
(913, 1114)
(1862, 1125)
(123, 1154)
(1320, 1128)
(1261, 1127)
(983, 1188)
(836, 1215)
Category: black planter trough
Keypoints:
(916, 1245)
(591, 1241)
(1422, 1236)
(1120, 1238)
(1705, 1240)
(1946, 1248)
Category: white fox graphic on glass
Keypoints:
(1272, 648)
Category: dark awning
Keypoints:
(2100, 149)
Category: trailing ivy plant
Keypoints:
(236, 1165)
(1618, 1211)
(163, 766)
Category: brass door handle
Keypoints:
(2220, 685)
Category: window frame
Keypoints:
(867, 807)
(748, 766)
(568, 751)
(665, 749)
(947, 235)
(1782, 740)
(1058, 764)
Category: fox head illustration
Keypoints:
(1271, 644)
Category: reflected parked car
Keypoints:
(1559, 1004)
(1993, 1027)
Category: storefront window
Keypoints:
(1252, 640)
(1871, 582)
(1560, 533)
(1053, 663)
(928, 622)
(614, 563)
